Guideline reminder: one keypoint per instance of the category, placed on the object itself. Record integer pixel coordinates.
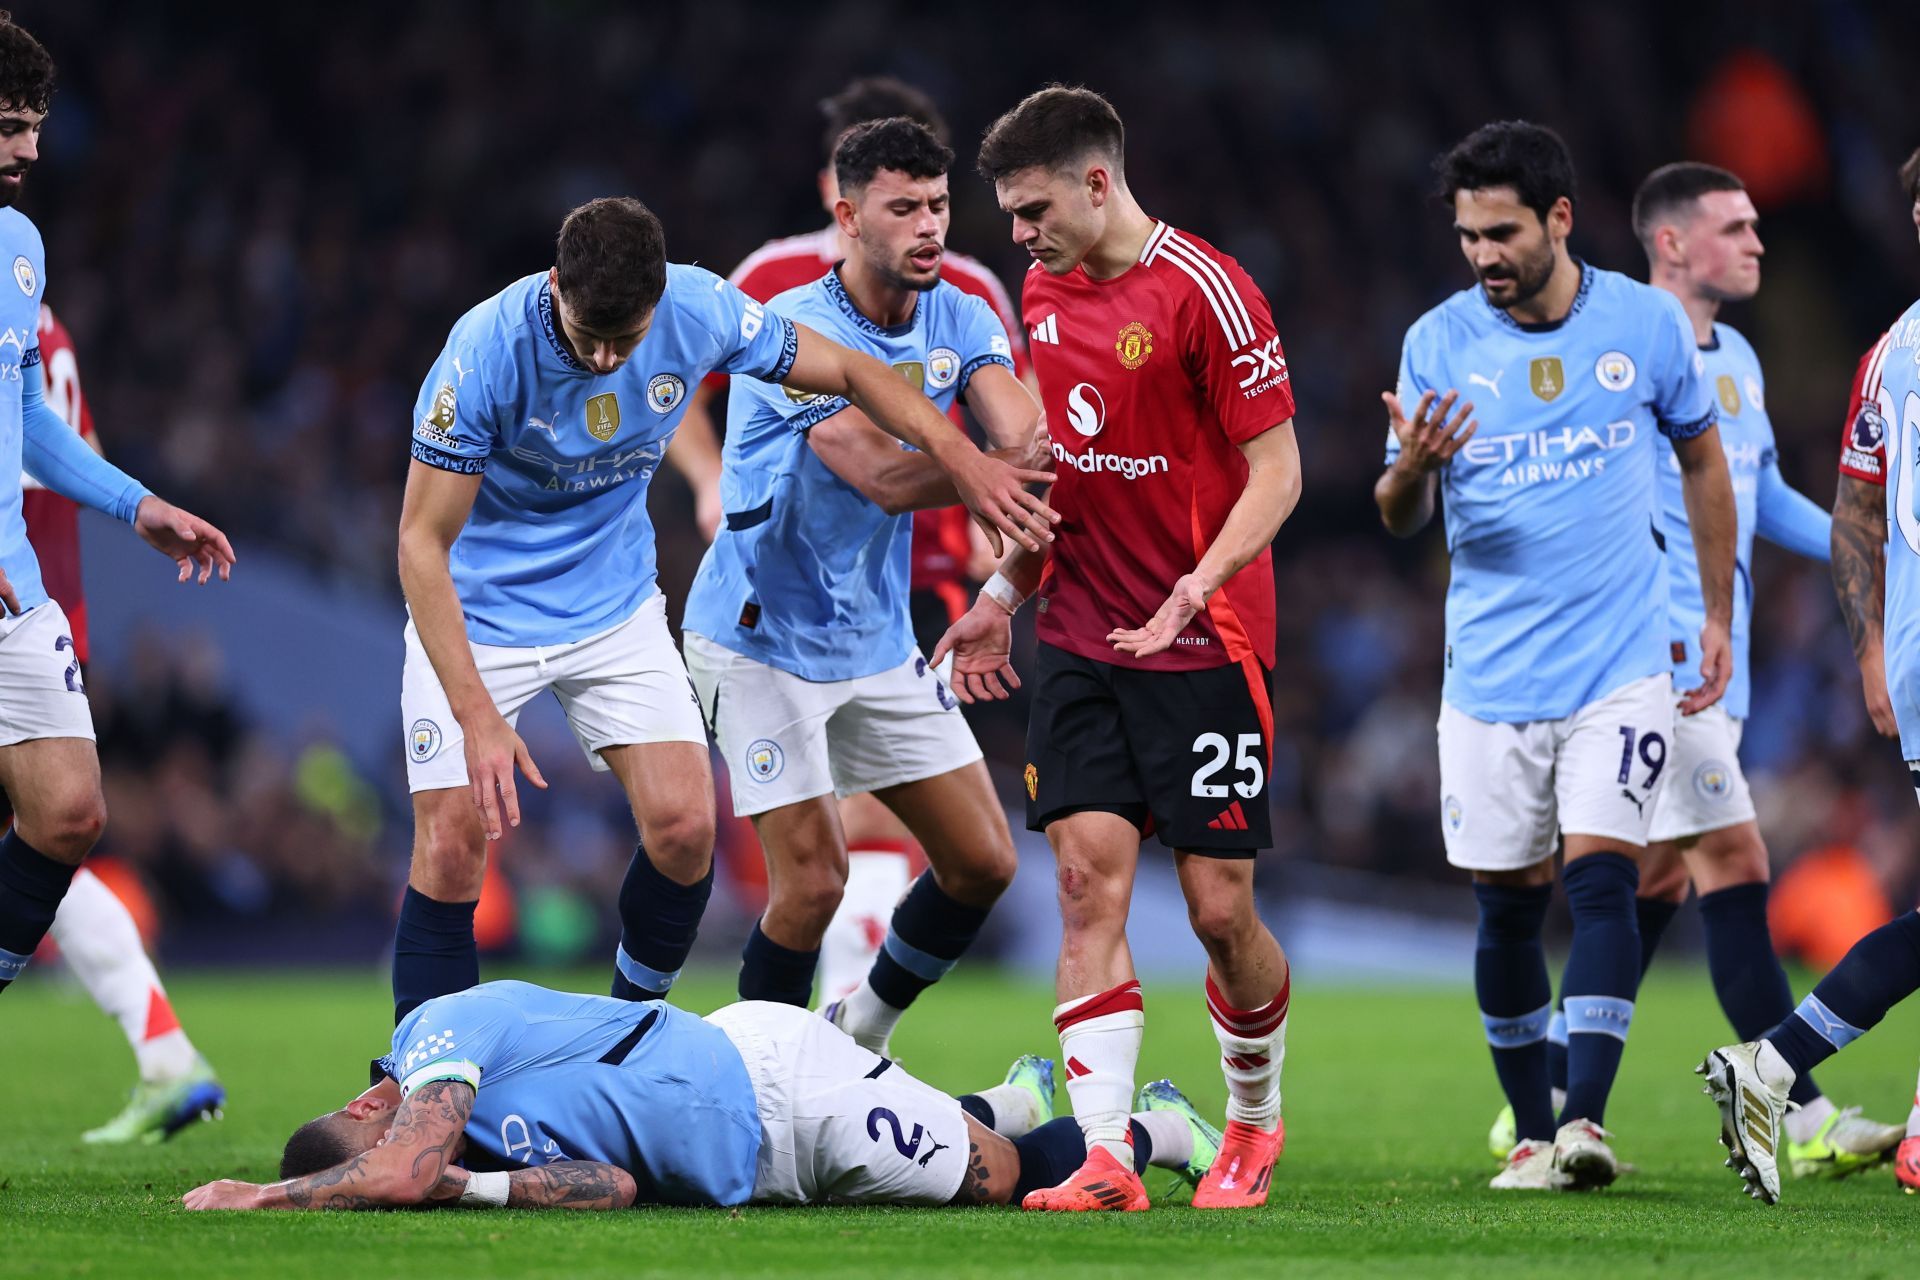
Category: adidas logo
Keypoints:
(1047, 330)
(1231, 819)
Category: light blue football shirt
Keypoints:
(1559, 588)
(807, 575)
(1764, 502)
(1894, 394)
(32, 436)
(559, 546)
(674, 1107)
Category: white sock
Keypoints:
(1253, 1043)
(1803, 1124)
(1100, 1039)
(1913, 1116)
(96, 934)
(875, 881)
(1016, 1112)
(1558, 1098)
(1172, 1138)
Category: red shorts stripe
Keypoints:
(1124, 998)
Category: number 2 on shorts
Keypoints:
(1246, 759)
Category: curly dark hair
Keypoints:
(1530, 158)
(901, 144)
(26, 69)
(612, 262)
(1051, 129)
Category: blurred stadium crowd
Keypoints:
(262, 221)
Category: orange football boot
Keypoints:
(1101, 1185)
(1243, 1170)
(1906, 1165)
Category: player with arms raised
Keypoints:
(1168, 400)
(1557, 705)
(48, 766)
(527, 560)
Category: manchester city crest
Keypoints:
(423, 741)
(943, 367)
(664, 393)
(1614, 370)
(765, 759)
(23, 275)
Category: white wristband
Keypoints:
(486, 1188)
(1003, 593)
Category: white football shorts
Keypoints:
(839, 1124)
(41, 693)
(786, 739)
(1707, 789)
(1508, 790)
(621, 687)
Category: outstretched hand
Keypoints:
(184, 538)
(981, 643)
(1428, 437)
(1188, 599)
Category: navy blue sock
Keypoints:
(659, 919)
(434, 953)
(1603, 975)
(929, 934)
(1050, 1154)
(1747, 976)
(31, 886)
(1880, 971)
(1653, 915)
(1510, 979)
(769, 971)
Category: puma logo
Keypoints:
(1492, 384)
(1639, 805)
(938, 1147)
(546, 425)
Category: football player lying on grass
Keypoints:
(512, 1094)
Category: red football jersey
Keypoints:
(1151, 381)
(788, 263)
(53, 522)
(1863, 438)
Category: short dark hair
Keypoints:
(1530, 158)
(877, 98)
(1672, 187)
(612, 262)
(26, 69)
(1910, 175)
(318, 1144)
(1051, 129)
(900, 144)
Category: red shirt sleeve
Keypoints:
(1235, 352)
(1863, 440)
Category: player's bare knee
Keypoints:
(680, 843)
(979, 880)
(69, 828)
(1224, 923)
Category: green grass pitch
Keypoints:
(1388, 1098)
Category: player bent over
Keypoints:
(48, 767)
(1171, 414)
(1699, 229)
(527, 559)
(511, 1094)
(1876, 569)
(1557, 712)
(798, 633)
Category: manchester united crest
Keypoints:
(1134, 345)
(1033, 783)
(603, 416)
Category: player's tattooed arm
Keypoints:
(1860, 581)
(974, 1188)
(574, 1184)
(402, 1171)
